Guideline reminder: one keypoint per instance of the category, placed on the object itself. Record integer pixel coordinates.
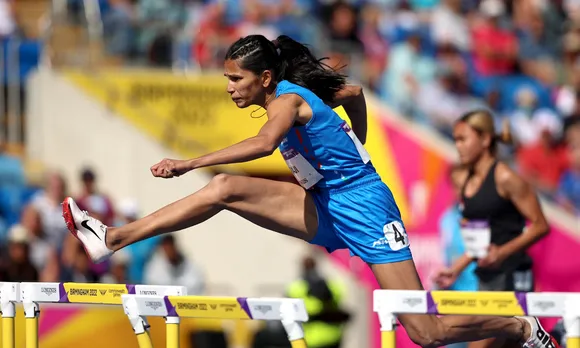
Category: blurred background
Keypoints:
(94, 92)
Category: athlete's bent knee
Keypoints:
(427, 336)
(225, 188)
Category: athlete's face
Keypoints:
(245, 87)
(469, 143)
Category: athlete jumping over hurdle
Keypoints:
(340, 203)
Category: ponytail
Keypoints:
(505, 136)
(299, 66)
(288, 60)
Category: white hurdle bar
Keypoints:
(291, 312)
(32, 294)
(388, 303)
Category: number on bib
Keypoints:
(364, 155)
(396, 235)
(303, 171)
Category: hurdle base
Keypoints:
(144, 340)
(172, 332)
(300, 343)
(8, 332)
(31, 314)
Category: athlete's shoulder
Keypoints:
(507, 179)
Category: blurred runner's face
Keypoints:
(244, 86)
(468, 142)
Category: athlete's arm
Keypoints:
(282, 113)
(352, 99)
(446, 277)
(526, 201)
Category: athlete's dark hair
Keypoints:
(288, 60)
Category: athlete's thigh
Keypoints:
(279, 206)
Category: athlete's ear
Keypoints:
(266, 78)
(487, 139)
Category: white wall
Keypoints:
(66, 129)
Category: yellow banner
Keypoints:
(480, 303)
(210, 307)
(95, 293)
(192, 115)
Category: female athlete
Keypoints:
(496, 201)
(340, 203)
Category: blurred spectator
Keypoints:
(170, 267)
(47, 203)
(18, 267)
(443, 100)
(449, 25)
(323, 299)
(494, 47)
(543, 161)
(569, 185)
(43, 254)
(408, 69)
(160, 21)
(375, 47)
(537, 50)
(139, 252)
(7, 22)
(528, 120)
(343, 29)
(255, 21)
(119, 28)
(94, 201)
(119, 264)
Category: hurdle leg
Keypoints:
(31, 315)
(572, 320)
(293, 328)
(141, 327)
(9, 295)
(172, 332)
(388, 322)
(139, 324)
(8, 314)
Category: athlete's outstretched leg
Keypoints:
(282, 207)
(431, 331)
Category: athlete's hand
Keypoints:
(495, 257)
(445, 278)
(169, 168)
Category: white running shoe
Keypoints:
(539, 338)
(88, 230)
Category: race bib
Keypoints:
(476, 238)
(303, 171)
(364, 155)
(396, 235)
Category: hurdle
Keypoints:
(32, 294)
(388, 303)
(291, 312)
(9, 295)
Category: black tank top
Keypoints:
(504, 219)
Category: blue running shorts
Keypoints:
(362, 217)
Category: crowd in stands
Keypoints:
(35, 244)
(430, 60)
